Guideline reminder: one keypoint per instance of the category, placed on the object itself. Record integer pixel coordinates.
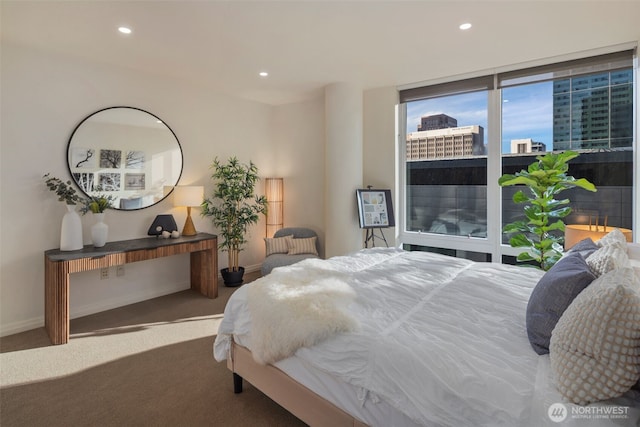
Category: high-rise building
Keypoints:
(445, 143)
(436, 121)
(594, 111)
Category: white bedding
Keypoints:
(442, 340)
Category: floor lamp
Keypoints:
(274, 192)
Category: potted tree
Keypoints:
(542, 233)
(233, 207)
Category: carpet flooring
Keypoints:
(146, 364)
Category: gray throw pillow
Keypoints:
(586, 247)
(552, 295)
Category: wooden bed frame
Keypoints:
(287, 392)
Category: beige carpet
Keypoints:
(147, 364)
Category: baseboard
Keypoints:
(112, 303)
(21, 326)
(88, 309)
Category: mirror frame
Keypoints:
(69, 147)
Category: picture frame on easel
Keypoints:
(375, 208)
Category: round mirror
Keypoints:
(127, 153)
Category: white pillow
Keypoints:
(633, 251)
(607, 258)
(614, 237)
(595, 346)
(635, 264)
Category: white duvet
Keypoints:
(440, 339)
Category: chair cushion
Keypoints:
(303, 246)
(277, 245)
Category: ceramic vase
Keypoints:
(71, 231)
(99, 231)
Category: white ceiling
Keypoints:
(305, 45)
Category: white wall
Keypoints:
(299, 136)
(44, 96)
(379, 151)
(343, 166)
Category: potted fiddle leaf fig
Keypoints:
(541, 235)
(233, 207)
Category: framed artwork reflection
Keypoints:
(110, 159)
(375, 208)
(134, 181)
(84, 181)
(83, 158)
(109, 181)
(135, 160)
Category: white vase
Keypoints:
(71, 231)
(99, 231)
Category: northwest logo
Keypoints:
(557, 412)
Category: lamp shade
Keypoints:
(576, 232)
(274, 192)
(188, 195)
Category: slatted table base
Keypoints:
(59, 265)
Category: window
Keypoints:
(446, 165)
(461, 136)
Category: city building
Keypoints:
(445, 143)
(594, 111)
(527, 145)
(437, 121)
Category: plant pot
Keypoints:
(232, 278)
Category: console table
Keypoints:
(58, 265)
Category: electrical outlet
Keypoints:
(120, 271)
(104, 273)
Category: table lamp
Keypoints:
(188, 195)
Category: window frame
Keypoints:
(492, 244)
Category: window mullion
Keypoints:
(494, 170)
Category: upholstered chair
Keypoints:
(288, 246)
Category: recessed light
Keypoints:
(124, 30)
(465, 26)
(263, 74)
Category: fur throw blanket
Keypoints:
(295, 307)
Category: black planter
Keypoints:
(232, 278)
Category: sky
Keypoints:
(527, 112)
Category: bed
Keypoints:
(387, 337)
